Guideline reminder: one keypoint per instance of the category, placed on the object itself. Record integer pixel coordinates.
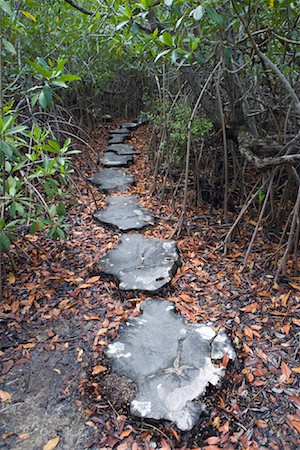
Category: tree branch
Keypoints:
(80, 8)
(244, 140)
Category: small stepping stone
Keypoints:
(111, 159)
(130, 125)
(117, 139)
(120, 131)
(112, 180)
(139, 263)
(125, 213)
(107, 118)
(170, 360)
(122, 149)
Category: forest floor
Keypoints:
(58, 315)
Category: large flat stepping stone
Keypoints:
(171, 362)
(120, 131)
(122, 149)
(112, 180)
(125, 213)
(117, 138)
(111, 159)
(139, 263)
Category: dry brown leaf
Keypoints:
(98, 369)
(294, 421)
(286, 371)
(52, 443)
(261, 423)
(5, 396)
(24, 436)
(11, 278)
(125, 433)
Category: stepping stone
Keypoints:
(112, 180)
(122, 149)
(130, 125)
(139, 263)
(120, 131)
(111, 159)
(117, 139)
(124, 213)
(171, 362)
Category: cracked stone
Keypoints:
(112, 180)
(111, 159)
(124, 213)
(171, 362)
(122, 149)
(139, 263)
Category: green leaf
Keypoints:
(4, 242)
(42, 100)
(167, 38)
(198, 12)
(5, 7)
(214, 16)
(7, 149)
(61, 209)
(9, 47)
(47, 94)
(52, 211)
(160, 55)
(68, 77)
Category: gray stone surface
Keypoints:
(124, 213)
(117, 138)
(130, 125)
(170, 361)
(122, 149)
(111, 159)
(112, 180)
(139, 263)
(120, 131)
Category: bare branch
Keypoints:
(80, 8)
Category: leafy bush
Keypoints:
(35, 171)
(177, 119)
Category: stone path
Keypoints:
(171, 361)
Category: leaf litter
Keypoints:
(58, 315)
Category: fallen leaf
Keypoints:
(261, 423)
(11, 278)
(286, 371)
(52, 443)
(296, 369)
(125, 433)
(24, 436)
(294, 421)
(5, 396)
(98, 369)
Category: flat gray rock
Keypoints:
(112, 180)
(139, 263)
(124, 213)
(122, 149)
(111, 159)
(170, 360)
(130, 125)
(117, 138)
(120, 131)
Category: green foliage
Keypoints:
(32, 184)
(176, 121)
